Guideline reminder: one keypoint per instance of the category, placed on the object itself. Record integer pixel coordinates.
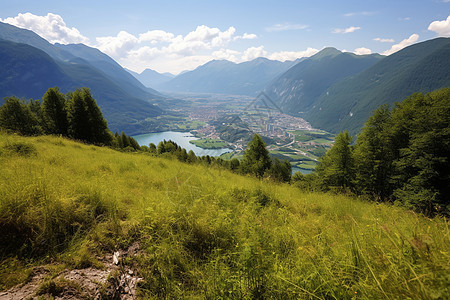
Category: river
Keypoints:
(181, 138)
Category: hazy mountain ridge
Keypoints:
(151, 78)
(226, 77)
(346, 105)
(297, 89)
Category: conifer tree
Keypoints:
(54, 115)
(86, 120)
(256, 159)
(336, 168)
(374, 155)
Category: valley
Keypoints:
(231, 121)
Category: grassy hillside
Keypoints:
(205, 232)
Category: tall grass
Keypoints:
(209, 233)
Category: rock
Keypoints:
(116, 257)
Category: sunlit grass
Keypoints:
(206, 232)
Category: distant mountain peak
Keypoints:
(327, 52)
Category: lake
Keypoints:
(181, 138)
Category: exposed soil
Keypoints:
(115, 281)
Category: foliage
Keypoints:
(422, 168)
(401, 155)
(256, 159)
(54, 115)
(280, 170)
(85, 118)
(374, 155)
(336, 168)
(16, 115)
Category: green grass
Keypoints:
(209, 143)
(206, 232)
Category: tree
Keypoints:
(86, 120)
(256, 159)
(336, 168)
(234, 164)
(374, 155)
(422, 170)
(54, 115)
(280, 170)
(17, 116)
(191, 157)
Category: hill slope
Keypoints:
(201, 232)
(28, 72)
(111, 68)
(297, 89)
(422, 67)
(123, 99)
(225, 77)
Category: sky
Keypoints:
(173, 36)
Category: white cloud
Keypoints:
(405, 19)
(362, 51)
(228, 54)
(346, 30)
(246, 36)
(254, 52)
(442, 28)
(406, 42)
(292, 55)
(381, 40)
(117, 46)
(284, 27)
(51, 27)
(156, 36)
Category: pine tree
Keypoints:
(374, 155)
(256, 159)
(336, 168)
(86, 120)
(54, 115)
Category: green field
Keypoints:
(204, 232)
(209, 143)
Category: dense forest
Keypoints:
(401, 156)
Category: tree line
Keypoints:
(75, 115)
(401, 156)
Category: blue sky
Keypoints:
(171, 36)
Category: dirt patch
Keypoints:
(115, 281)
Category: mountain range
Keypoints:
(347, 104)
(226, 77)
(151, 78)
(296, 90)
(30, 65)
(332, 90)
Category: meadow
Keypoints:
(205, 232)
